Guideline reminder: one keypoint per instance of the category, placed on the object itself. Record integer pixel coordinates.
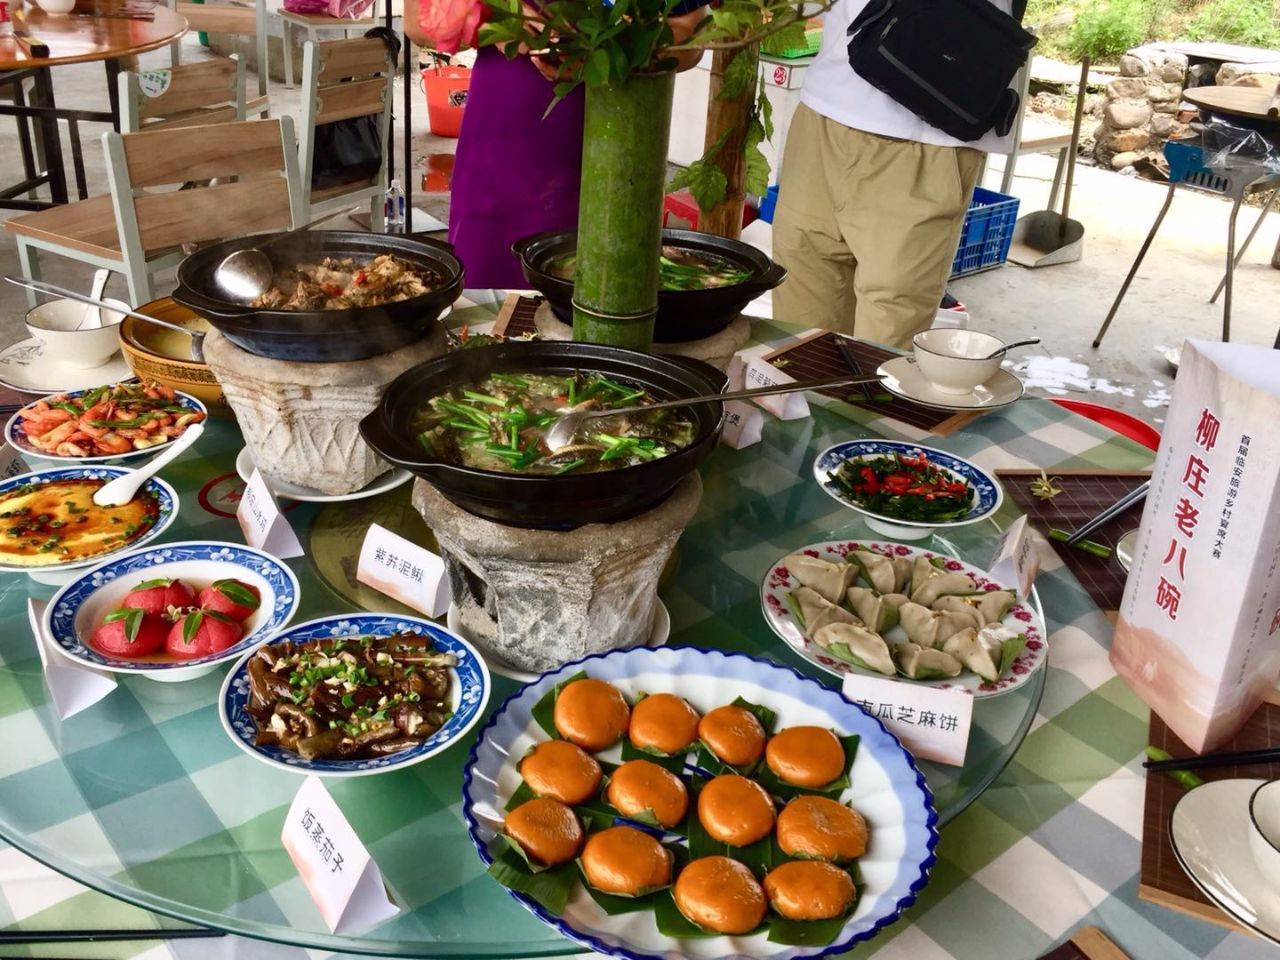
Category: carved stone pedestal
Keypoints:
(541, 598)
(301, 420)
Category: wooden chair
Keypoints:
(343, 79)
(211, 91)
(314, 25)
(137, 229)
(241, 21)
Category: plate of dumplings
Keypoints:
(903, 613)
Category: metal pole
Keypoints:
(408, 134)
(391, 130)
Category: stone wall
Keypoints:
(1141, 109)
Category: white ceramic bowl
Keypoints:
(56, 7)
(55, 324)
(78, 608)
(1264, 831)
(952, 359)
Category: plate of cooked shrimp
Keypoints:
(115, 422)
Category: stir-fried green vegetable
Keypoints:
(678, 269)
(499, 424)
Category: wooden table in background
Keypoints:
(89, 33)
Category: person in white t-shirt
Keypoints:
(870, 201)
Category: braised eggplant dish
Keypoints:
(341, 283)
(499, 423)
(350, 698)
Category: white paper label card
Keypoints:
(784, 406)
(334, 865)
(742, 424)
(404, 571)
(72, 686)
(11, 463)
(1016, 561)
(262, 523)
(931, 722)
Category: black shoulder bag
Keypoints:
(950, 62)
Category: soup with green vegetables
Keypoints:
(499, 423)
(678, 269)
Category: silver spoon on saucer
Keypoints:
(1009, 346)
(561, 433)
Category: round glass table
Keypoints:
(144, 797)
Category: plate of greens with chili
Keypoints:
(904, 490)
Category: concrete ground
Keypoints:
(1062, 304)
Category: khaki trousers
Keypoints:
(867, 228)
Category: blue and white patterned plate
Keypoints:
(165, 494)
(15, 433)
(469, 692)
(78, 608)
(989, 494)
(887, 789)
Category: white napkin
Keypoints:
(72, 686)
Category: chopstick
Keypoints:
(104, 936)
(1237, 758)
(1137, 495)
(852, 363)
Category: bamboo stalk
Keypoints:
(725, 218)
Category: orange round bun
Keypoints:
(640, 785)
(819, 827)
(626, 861)
(806, 756)
(720, 894)
(733, 734)
(592, 714)
(663, 722)
(735, 810)
(547, 831)
(562, 771)
(809, 890)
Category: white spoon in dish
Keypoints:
(122, 489)
(92, 318)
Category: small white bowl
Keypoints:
(952, 360)
(1264, 831)
(55, 324)
(56, 7)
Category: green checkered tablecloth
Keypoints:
(1052, 845)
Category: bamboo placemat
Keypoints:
(1087, 943)
(1085, 494)
(515, 319)
(1162, 879)
(817, 355)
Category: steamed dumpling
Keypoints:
(951, 622)
(991, 606)
(924, 663)
(895, 600)
(980, 653)
(885, 574)
(829, 579)
(857, 645)
(818, 611)
(928, 583)
(919, 622)
(872, 609)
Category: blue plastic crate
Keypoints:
(987, 232)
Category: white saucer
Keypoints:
(903, 379)
(24, 367)
(1209, 830)
(291, 491)
(1124, 549)
(453, 620)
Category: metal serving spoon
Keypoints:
(1009, 346)
(561, 433)
(123, 489)
(197, 336)
(246, 274)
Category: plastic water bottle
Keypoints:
(393, 208)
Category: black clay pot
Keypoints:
(548, 502)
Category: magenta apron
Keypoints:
(515, 173)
